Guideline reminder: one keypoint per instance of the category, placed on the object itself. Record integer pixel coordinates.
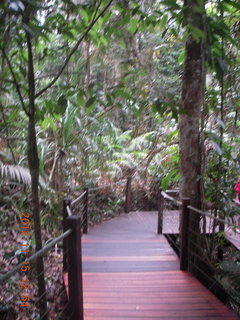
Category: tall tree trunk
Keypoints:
(189, 123)
(33, 162)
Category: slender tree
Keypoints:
(192, 104)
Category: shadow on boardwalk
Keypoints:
(131, 273)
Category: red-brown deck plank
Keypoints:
(131, 273)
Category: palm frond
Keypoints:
(17, 174)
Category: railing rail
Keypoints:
(36, 255)
(204, 239)
(166, 196)
(206, 214)
(78, 199)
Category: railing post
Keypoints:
(160, 205)
(184, 223)
(66, 202)
(127, 205)
(85, 212)
(75, 269)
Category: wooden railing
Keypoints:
(161, 197)
(202, 250)
(75, 217)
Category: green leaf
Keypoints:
(49, 106)
(84, 15)
(166, 180)
(197, 34)
(61, 105)
(163, 21)
(158, 107)
(80, 98)
(13, 115)
(67, 35)
(176, 178)
(171, 135)
(181, 57)
(49, 122)
(125, 20)
(171, 4)
(133, 26)
(123, 93)
(122, 43)
(104, 41)
(109, 99)
(90, 102)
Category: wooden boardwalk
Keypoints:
(131, 273)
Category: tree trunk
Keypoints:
(189, 123)
(33, 162)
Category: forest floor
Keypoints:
(11, 291)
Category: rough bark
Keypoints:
(192, 101)
(33, 162)
(189, 123)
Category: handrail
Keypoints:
(69, 212)
(107, 185)
(36, 255)
(204, 213)
(172, 191)
(79, 198)
(166, 196)
(211, 216)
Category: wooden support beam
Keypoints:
(85, 212)
(160, 205)
(66, 202)
(74, 250)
